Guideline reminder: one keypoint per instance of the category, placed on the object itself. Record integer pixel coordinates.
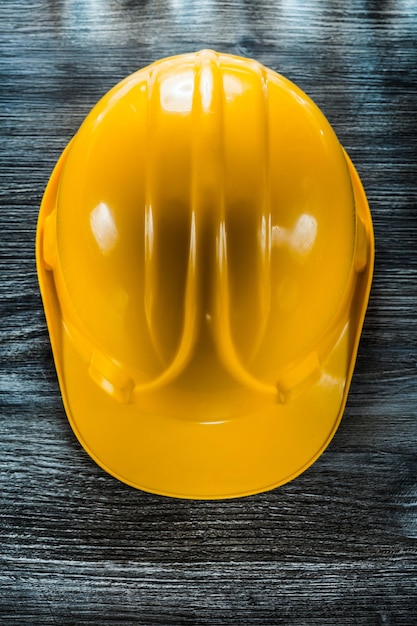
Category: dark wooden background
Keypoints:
(338, 544)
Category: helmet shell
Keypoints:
(205, 256)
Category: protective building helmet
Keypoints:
(205, 256)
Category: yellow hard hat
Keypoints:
(205, 256)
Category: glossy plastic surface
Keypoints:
(205, 255)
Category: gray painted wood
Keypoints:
(338, 544)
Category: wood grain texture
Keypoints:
(338, 544)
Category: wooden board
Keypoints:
(338, 544)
